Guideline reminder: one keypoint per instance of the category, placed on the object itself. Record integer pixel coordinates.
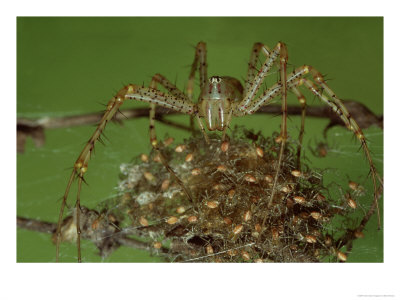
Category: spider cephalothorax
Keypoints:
(217, 99)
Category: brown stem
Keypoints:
(50, 228)
(35, 127)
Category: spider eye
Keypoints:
(215, 79)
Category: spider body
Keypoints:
(217, 99)
(220, 99)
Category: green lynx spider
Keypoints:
(220, 99)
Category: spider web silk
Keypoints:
(39, 191)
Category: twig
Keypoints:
(119, 239)
(36, 128)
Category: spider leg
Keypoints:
(340, 109)
(293, 80)
(81, 164)
(228, 121)
(254, 86)
(60, 217)
(303, 104)
(252, 70)
(248, 101)
(199, 63)
(202, 127)
(283, 136)
(292, 83)
(158, 78)
(249, 105)
(172, 89)
(153, 137)
(78, 218)
(154, 96)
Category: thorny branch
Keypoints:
(119, 239)
(36, 128)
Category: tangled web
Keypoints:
(230, 218)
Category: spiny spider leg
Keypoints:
(81, 164)
(340, 109)
(153, 136)
(80, 168)
(228, 121)
(265, 98)
(243, 107)
(270, 93)
(293, 81)
(251, 74)
(61, 214)
(171, 88)
(283, 135)
(200, 64)
(78, 218)
(222, 97)
(298, 78)
(252, 69)
(303, 104)
(154, 96)
(158, 78)
(255, 84)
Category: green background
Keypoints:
(68, 66)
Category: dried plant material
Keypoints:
(230, 212)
